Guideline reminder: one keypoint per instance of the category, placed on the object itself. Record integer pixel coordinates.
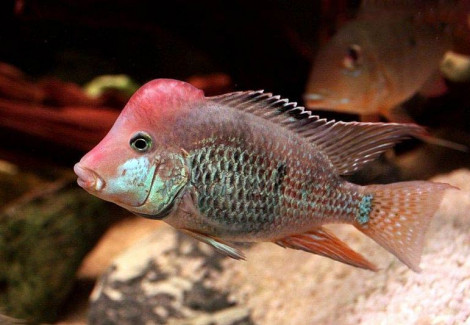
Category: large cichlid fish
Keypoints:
(387, 54)
(250, 166)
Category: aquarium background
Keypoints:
(57, 242)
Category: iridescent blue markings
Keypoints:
(365, 206)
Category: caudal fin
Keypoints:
(399, 215)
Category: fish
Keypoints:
(250, 166)
(390, 52)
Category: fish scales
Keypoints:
(248, 196)
(250, 166)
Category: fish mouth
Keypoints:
(323, 101)
(88, 179)
(308, 97)
(313, 100)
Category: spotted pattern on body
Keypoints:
(252, 166)
(245, 191)
(365, 207)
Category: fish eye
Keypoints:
(141, 142)
(353, 58)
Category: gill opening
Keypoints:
(157, 166)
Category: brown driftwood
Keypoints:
(14, 85)
(61, 113)
(77, 127)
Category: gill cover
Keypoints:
(169, 180)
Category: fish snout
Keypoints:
(88, 179)
(312, 100)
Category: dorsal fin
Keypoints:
(348, 145)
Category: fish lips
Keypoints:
(314, 100)
(94, 184)
(88, 179)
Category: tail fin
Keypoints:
(399, 216)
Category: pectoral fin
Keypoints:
(221, 246)
(321, 242)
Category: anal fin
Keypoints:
(221, 246)
(321, 242)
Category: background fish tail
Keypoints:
(399, 216)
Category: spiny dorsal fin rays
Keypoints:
(348, 145)
(349, 150)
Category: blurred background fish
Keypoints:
(387, 54)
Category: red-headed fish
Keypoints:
(385, 56)
(250, 166)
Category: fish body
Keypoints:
(384, 57)
(254, 183)
(250, 166)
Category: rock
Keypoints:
(168, 278)
(163, 279)
(44, 235)
(229, 316)
(6, 320)
(119, 237)
(455, 67)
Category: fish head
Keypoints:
(138, 165)
(345, 76)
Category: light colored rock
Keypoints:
(229, 316)
(456, 66)
(162, 279)
(116, 240)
